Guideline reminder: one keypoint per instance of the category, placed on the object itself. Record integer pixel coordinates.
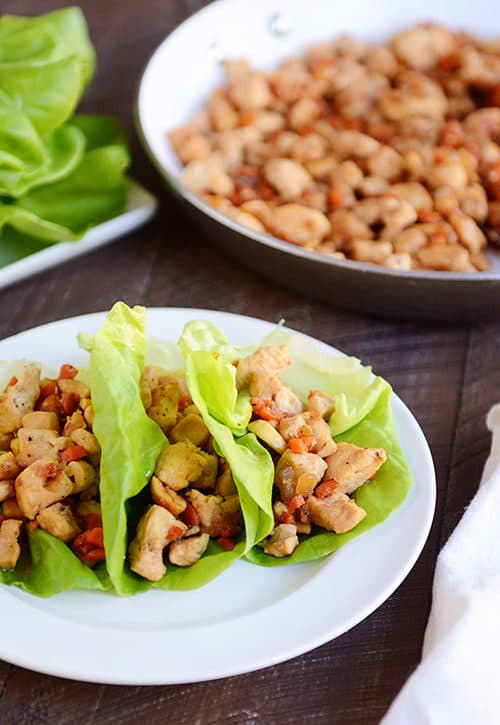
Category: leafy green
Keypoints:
(130, 441)
(59, 174)
(363, 415)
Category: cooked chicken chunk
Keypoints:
(59, 521)
(6, 490)
(190, 428)
(337, 512)
(286, 401)
(87, 440)
(41, 419)
(82, 475)
(165, 496)
(186, 552)
(262, 365)
(208, 476)
(312, 425)
(8, 466)
(164, 405)
(10, 550)
(179, 465)
(75, 421)
(146, 550)
(298, 473)
(283, 540)
(38, 443)
(320, 403)
(225, 484)
(218, 516)
(74, 387)
(41, 484)
(19, 399)
(350, 466)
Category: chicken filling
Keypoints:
(314, 476)
(49, 464)
(193, 495)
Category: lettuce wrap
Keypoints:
(363, 416)
(131, 443)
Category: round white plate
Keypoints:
(248, 618)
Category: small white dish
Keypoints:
(141, 206)
(248, 618)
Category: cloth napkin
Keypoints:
(458, 680)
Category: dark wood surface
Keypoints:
(448, 376)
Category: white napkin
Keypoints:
(458, 680)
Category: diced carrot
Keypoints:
(226, 543)
(12, 381)
(94, 537)
(52, 404)
(247, 119)
(287, 518)
(337, 122)
(297, 445)
(189, 515)
(296, 503)
(34, 525)
(68, 372)
(306, 129)
(428, 216)
(266, 409)
(229, 531)
(94, 556)
(174, 532)
(325, 489)
(69, 403)
(73, 453)
(449, 62)
(184, 401)
(49, 387)
(93, 521)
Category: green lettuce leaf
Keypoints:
(130, 441)
(253, 473)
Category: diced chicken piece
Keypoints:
(250, 92)
(423, 46)
(283, 540)
(87, 440)
(207, 176)
(11, 510)
(266, 361)
(350, 466)
(298, 224)
(74, 387)
(179, 465)
(165, 404)
(41, 484)
(287, 402)
(165, 496)
(177, 381)
(19, 399)
(208, 476)
(288, 177)
(320, 403)
(190, 428)
(6, 490)
(10, 530)
(298, 473)
(75, 421)
(267, 433)
(37, 443)
(146, 550)
(309, 424)
(9, 467)
(337, 512)
(187, 552)
(225, 485)
(59, 521)
(40, 419)
(82, 475)
(216, 514)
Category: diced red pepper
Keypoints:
(34, 525)
(94, 537)
(48, 388)
(325, 489)
(226, 543)
(12, 381)
(184, 401)
(296, 503)
(94, 556)
(297, 445)
(93, 521)
(68, 372)
(175, 532)
(73, 453)
(52, 404)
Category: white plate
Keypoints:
(141, 205)
(248, 618)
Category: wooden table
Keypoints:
(448, 375)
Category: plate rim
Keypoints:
(75, 672)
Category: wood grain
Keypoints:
(448, 376)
